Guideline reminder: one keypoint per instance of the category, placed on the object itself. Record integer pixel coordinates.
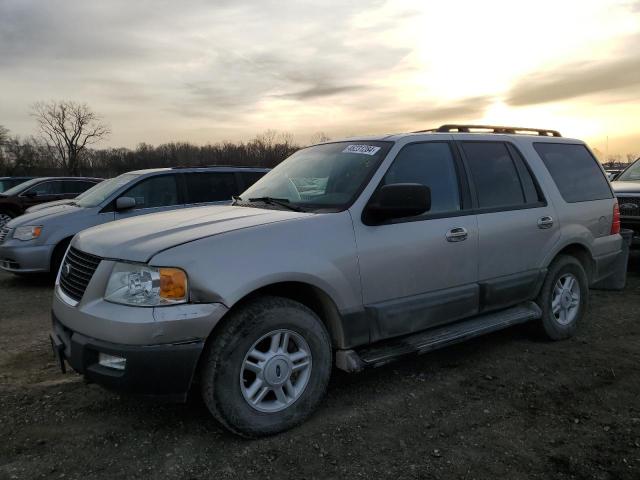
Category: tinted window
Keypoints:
(575, 171)
(76, 186)
(249, 178)
(160, 191)
(210, 187)
(54, 187)
(494, 174)
(432, 165)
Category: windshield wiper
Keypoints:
(282, 202)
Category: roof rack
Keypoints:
(450, 128)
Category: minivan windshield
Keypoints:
(103, 190)
(631, 174)
(327, 176)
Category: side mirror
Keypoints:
(399, 200)
(613, 176)
(125, 203)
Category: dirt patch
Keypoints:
(508, 405)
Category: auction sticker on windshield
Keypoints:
(363, 149)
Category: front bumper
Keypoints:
(25, 258)
(161, 345)
(158, 370)
(632, 223)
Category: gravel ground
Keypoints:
(509, 405)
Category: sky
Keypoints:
(213, 70)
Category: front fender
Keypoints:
(319, 250)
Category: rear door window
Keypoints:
(210, 187)
(77, 186)
(575, 171)
(494, 175)
(249, 178)
(159, 191)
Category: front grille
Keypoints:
(76, 272)
(4, 234)
(629, 206)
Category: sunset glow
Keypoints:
(210, 71)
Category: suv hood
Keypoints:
(137, 239)
(626, 187)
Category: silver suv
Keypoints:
(349, 254)
(37, 241)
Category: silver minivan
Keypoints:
(36, 241)
(349, 254)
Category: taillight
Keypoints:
(615, 224)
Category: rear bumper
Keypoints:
(159, 370)
(25, 259)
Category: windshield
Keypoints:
(327, 176)
(18, 189)
(103, 190)
(631, 174)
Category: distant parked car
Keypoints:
(627, 188)
(37, 241)
(612, 173)
(9, 182)
(16, 200)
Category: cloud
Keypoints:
(461, 110)
(576, 80)
(319, 91)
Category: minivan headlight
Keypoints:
(28, 232)
(145, 286)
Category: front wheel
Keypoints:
(563, 298)
(5, 217)
(267, 368)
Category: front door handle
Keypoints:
(545, 222)
(457, 234)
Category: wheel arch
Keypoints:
(59, 249)
(311, 296)
(581, 252)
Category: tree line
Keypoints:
(68, 132)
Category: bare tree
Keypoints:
(68, 128)
(318, 137)
(4, 135)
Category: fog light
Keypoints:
(111, 361)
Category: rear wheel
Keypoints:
(267, 368)
(563, 298)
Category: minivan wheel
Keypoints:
(563, 298)
(267, 367)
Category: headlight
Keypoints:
(28, 232)
(142, 285)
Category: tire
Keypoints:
(561, 319)
(229, 370)
(57, 256)
(5, 217)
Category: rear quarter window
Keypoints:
(575, 171)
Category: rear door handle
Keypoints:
(457, 234)
(545, 222)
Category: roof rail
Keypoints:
(451, 128)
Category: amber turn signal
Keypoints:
(173, 284)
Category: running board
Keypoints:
(432, 339)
